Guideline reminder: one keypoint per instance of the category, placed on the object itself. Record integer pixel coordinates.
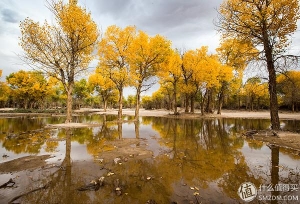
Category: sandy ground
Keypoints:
(162, 112)
(225, 113)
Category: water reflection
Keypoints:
(191, 160)
(274, 171)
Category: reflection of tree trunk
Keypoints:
(67, 160)
(137, 131)
(104, 130)
(207, 133)
(120, 129)
(69, 103)
(175, 137)
(274, 170)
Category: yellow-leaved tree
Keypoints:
(113, 56)
(235, 54)
(288, 86)
(267, 24)
(146, 54)
(192, 74)
(255, 92)
(103, 85)
(28, 88)
(4, 92)
(63, 50)
(170, 72)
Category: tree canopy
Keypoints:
(268, 25)
(63, 50)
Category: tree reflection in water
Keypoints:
(202, 154)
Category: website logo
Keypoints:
(247, 191)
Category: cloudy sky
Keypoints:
(187, 23)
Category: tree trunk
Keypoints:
(251, 103)
(137, 129)
(221, 98)
(209, 105)
(120, 104)
(169, 102)
(275, 124)
(202, 101)
(69, 103)
(120, 130)
(137, 106)
(105, 104)
(175, 99)
(186, 103)
(193, 103)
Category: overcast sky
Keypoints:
(187, 23)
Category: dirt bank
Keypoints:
(24, 163)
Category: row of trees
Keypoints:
(251, 30)
(30, 89)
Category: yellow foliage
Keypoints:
(260, 21)
(4, 92)
(255, 89)
(98, 79)
(288, 86)
(171, 68)
(146, 55)
(113, 54)
(64, 49)
(28, 86)
(237, 54)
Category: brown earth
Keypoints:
(24, 163)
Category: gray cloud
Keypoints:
(175, 19)
(187, 23)
(162, 15)
(10, 16)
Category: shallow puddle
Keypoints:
(159, 160)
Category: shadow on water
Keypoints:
(161, 159)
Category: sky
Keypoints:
(187, 23)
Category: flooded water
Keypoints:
(158, 159)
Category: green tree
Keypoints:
(268, 25)
(81, 91)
